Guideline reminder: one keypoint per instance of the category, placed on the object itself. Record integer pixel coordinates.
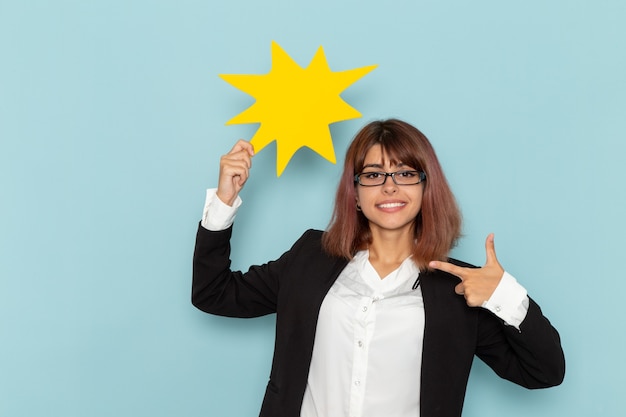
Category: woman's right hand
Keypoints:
(234, 171)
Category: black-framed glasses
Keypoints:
(373, 179)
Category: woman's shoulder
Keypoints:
(310, 245)
(314, 234)
(310, 238)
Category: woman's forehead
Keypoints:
(378, 156)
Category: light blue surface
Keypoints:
(111, 126)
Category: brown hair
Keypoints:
(438, 224)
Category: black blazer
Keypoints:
(294, 287)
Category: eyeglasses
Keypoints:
(373, 179)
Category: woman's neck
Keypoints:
(389, 249)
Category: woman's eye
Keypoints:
(372, 175)
(407, 174)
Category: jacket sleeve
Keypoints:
(218, 290)
(531, 356)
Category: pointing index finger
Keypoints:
(447, 267)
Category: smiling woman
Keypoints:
(373, 318)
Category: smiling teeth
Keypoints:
(390, 205)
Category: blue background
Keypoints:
(112, 122)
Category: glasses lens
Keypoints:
(407, 177)
(372, 178)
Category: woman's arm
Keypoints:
(529, 354)
(218, 290)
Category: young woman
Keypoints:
(373, 319)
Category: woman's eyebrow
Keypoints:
(373, 166)
(380, 166)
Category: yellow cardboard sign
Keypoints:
(295, 105)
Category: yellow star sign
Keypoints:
(295, 105)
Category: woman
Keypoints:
(373, 319)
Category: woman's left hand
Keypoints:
(477, 284)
